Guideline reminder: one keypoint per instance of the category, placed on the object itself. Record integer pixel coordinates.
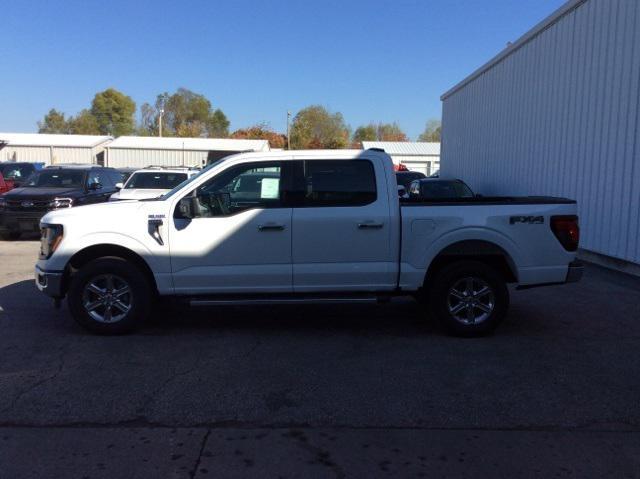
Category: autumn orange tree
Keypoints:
(261, 131)
(378, 132)
(315, 127)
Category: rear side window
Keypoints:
(16, 172)
(338, 183)
(159, 180)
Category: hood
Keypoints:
(138, 194)
(43, 193)
(99, 211)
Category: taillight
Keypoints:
(400, 167)
(567, 231)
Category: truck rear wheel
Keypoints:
(469, 298)
(109, 296)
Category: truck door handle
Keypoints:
(370, 226)
(270, 227)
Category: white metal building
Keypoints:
(142, 151)
(557, 113)
(52, 149)
(417, 156)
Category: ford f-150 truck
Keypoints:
(304, 226)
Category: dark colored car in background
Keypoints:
(404, 178)
(17, 173)
(51, 188)
(439, 189)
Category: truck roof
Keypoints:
(311, 154)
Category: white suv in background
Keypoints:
(152, 182)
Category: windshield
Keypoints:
(169, 194)
(15, 172)
(57, 179)
(156, 180)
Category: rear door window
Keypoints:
(336, 183)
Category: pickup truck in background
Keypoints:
(52, 188)
(304, 226)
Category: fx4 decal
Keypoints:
(531, 220)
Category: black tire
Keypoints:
(481, 313)
(10, 235)
(121, 272)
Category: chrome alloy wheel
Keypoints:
(107, 298)
(471, 300)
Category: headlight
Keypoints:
(50, 239)
(3, 204)
(61, 203)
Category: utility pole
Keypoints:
(160, 122)
(160, 114)
(288, 130)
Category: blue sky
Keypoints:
(372, 60)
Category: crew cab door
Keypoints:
(341, 227)
(238, 239)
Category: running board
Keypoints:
(286, 300)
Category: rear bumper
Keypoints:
(574, 274)
(49, 282)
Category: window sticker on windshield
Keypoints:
(269, 188)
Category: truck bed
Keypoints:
(490, 200)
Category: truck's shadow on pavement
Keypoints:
(22, 302)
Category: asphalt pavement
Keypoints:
(322, 391)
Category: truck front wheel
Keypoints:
(109, 296)
(469, 298)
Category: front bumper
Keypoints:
(574, 274)
(24, 222)
(49, 282)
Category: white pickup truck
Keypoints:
(304, 226)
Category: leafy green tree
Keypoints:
(378, 132)
(190, 114)
(218, 125)
(314, 127)
(53, 122)
(84, 123)
(391, 132)
(261, 131)
(114, 112)
(365, 133)
(432, 132)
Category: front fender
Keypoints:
(59, 260)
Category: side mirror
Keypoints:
(119, 186)
(186, 208)
(95, 186)
(402, 191)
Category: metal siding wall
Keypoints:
(72, 155)
(424, 164)
(33, 154)
(559, 117)
(134, 158)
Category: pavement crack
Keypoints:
(320, 455)
(37, 384)
(203, 444)
(151, 397)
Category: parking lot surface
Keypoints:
(322, 391)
